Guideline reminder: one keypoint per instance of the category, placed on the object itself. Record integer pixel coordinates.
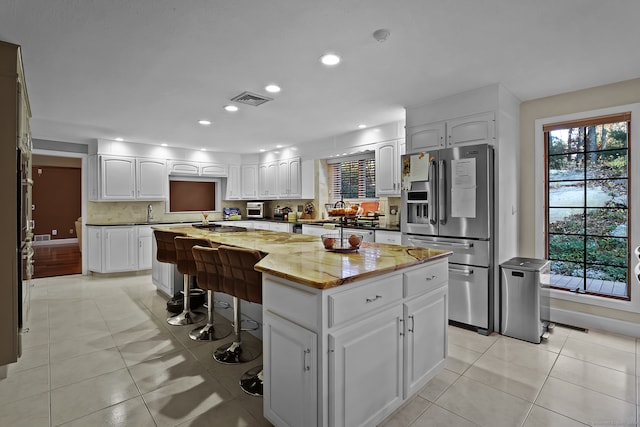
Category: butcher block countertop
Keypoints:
(302, 258)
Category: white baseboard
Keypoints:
(591, 321)
(55, 242)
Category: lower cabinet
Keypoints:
(114, 249)
(352, 354)
(290, 355)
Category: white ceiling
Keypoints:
(148, 70)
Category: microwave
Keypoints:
(255, 209)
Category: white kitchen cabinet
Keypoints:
(427, 319)
(290, 355)
(289, 179)
(267, 177)
(379, 341)
(213, 169)
(183, 167)
(151, 179)
(386, 236)
(94, 248)
(426, 137)
(388, 169)
(471, 130)
(262, 225)
(117, 178)
(281, 226)
(120, 249)
(145, 247)
(249, 178)
(315, 230)
(366, 356)
(233, 183)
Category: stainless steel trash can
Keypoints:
(524, 311)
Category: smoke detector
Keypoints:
(250, 98)
(381, 35)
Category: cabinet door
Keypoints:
(425, 137)
(425, 353)
(356, 397)
(233, 183)
(392, 237)
(314, 230)
(151, 178)
(294, 178)
(272, 178)
(94, 177)
(283, 227)
(119, 249)
(282, 181)
(213, 169)
(179, 167)
(387, 169)
(94, 248)
(261, 225)
(118, 178)
(145, 248)
(249, 181)
(290, 373)
(262, 180)
(476, 129)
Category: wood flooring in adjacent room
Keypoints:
(57, 260)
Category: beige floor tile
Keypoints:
(163, 371)
(541, 417)
(607, 339)
(63, 349)
(471, 340)
(584, 405)
(230, 413)
(83, 398)
(519, 381)
(483, 405)
(30, 412)
(185, 399)
(555, 341)
(254, 405)
(408, 413)
(229, 375)
(79, 329)
(153, 347)
(79, 368)
(521, 353)
(132, 412)
(138, 331)
(438, 385)
(436, 416)
(36, 336)
(598, 378)
(459, 358)
(32, 357)
(600, 355)
(23, 384)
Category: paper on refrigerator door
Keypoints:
(463, 188)
(420, 167)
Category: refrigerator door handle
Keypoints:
(433, 194)
(442, 194)
(443, 244)
(465, 271)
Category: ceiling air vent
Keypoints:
(251, 99)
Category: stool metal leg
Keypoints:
(237, 351)
(187, 317)
(211, 331)
(251, 381)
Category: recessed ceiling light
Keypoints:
(231, 108)
(362, 126)
(272, 88)
(119, 139)
(204, 122)
(330, 59)
(279, 146)
(203, 149)
(165, 145)
(262, 150)
(376, 130)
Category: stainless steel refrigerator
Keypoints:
(447, 203)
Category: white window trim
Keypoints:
(634, 233)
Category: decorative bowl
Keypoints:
(350, 242)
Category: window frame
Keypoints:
(632, 305)
(368, 156)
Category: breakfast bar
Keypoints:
(347, 337)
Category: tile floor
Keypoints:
(99, 352)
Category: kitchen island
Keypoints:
(347, 337)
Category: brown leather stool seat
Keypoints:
(241, 281)
(187, 266)
(209, 277)
(165, 241)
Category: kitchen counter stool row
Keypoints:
(216, 269)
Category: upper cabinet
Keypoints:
(267, 176)
(469, 130)
(233, 183)
(289, 184)
(189, 168)
(388, 156)
(249, 174)
(126, 178)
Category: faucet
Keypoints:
(149, 213)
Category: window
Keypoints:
(193, 195)
(353, 177)
(587, 205)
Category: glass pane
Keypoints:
(607, 222)
(565, 141)
(613, 135)
(567, 275)
(607, 164)
(609, 193)
(566, 248)
(566, 221)
(607, 250)
(606, 273)
(566, 194)
(565, 168)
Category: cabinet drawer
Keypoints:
(425, 279)
(355, 302)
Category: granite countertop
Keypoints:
(302, 258)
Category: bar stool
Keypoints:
(209, 276)
(187, 266)
(240, 281)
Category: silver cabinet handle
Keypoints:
(368, 300)
(412, 324)
(428, 279)
(306, 365)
